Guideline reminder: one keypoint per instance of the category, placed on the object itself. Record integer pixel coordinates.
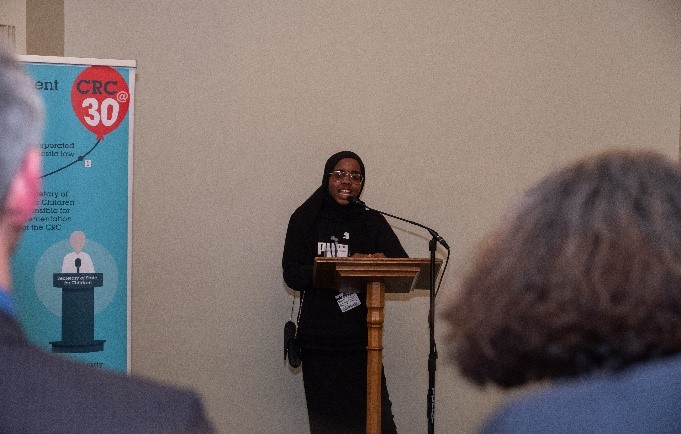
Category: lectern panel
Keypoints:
(352, 274)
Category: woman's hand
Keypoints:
(368, 255)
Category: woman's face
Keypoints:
(341, 189)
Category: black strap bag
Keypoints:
(292, 349)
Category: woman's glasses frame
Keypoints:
(339, 175)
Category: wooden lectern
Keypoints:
(376, 276)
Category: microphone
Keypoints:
(78, 265)
(354, 201)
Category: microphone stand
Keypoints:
(432, 355)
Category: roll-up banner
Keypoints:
(71, 271)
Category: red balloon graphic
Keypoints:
(100, 98)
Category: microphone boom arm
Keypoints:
(432, 356)
(432, 232)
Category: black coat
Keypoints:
(46, 393)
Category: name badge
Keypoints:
(347, 301)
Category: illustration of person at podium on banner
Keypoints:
(78, 282)
(77, 261)
(332, 327)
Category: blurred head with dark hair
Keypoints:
(584, 276)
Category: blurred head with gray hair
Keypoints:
(584, 276)
(21, 121)
(21, 116)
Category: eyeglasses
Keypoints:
(338, 175)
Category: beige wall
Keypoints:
(13, 13)
(39, 25)
(456, 107)
(45, 27)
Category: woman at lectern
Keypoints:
(332, 329)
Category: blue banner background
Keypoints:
(92, 199)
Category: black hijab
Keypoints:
(321, 198)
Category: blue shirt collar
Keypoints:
(6, 302)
